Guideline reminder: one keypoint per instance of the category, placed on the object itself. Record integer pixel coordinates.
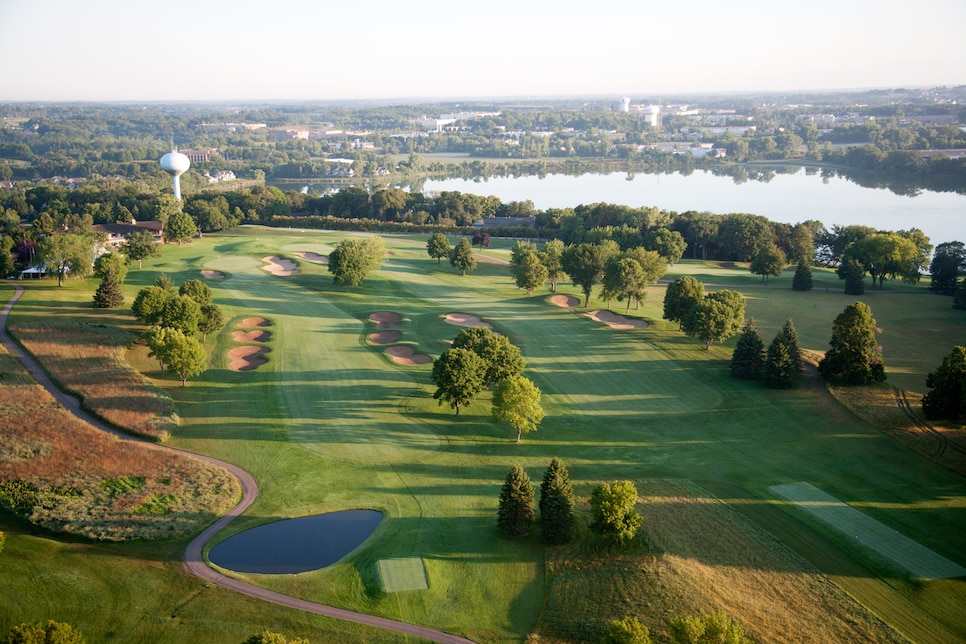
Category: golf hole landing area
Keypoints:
(402, 574)
(870, 533)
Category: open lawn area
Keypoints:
(331, 422)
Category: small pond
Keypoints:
(296, 545)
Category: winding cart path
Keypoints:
(194, 561)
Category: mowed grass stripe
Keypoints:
(917, 559)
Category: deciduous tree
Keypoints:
(186, 357)
(517, 401)
(458, 375)
(180, 227)
(854, 357)
(769, 261)
(197, 291)
(40, 633)
(501, 358)
(515, 514)
(181, 313)
(585, 263)
(140, 245)
(481, 239)
(715, 318)
(682, 294)
(438, 246)
(530, 273)
(947, 266)
(551, 257)
(212, 320)
(613, 507)
(946, 398)
(67, 254)
(355, 258)
(149, 304)
(111, 262)
(462, 256)
(627, 630)
(717, 628)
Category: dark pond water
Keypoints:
(296, 545)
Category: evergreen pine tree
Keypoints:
(779, 366)
(556, 504)
(748, 359)
(515, 514)
(789, 336)
(108, 294)
(803, 277)
(854, 274)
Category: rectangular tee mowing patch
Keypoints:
(406, 573)
(870, 533)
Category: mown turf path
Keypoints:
(194, 561)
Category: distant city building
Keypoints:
(198, 156)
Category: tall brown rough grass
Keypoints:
(701, 557)
(88, 361)
(67, 476)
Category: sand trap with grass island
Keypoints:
(246, 358)
(278, 266)
(313, 257)
(385, 319)
(565, 301)
(384, 337)
(212, 275)
(615, 321)
(406, 355)
(250, 322)
(251, 336)
(465, 319)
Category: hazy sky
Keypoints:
(345, 49)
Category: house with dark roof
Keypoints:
(116, 233)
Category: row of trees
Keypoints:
(780, 367)
(612, 507)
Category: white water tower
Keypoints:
(652, 115)
(625, 104)
(175, 164)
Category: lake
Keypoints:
(788, 197)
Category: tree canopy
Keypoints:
(438, 246)
(462, 256)
(67, 254)
(140, 245)
(515, 514)
(180, 227)
(354, 258)
(585, 263)
(458, 375)
(715, 318)
(853, 357)
(946, 398)
(770, 261)
(613, 506)
(682, 294)
(517, 401)
(500, 357)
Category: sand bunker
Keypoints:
(250, 322)
(251, 336)
(278, 266)
(247, 358)
(615, 321)
(385, 319)
(313, 257)
(406, 355)
(465, 319)
(566, 301)
(212, 275)
(384, 337)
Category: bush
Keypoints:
(614, 514)
(626, 631)
(717, 628)
(50, 633)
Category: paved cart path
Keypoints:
(194, 561)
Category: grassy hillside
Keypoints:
(330, 422)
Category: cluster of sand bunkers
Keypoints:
(388, 334)
(249, 356)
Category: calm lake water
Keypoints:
(788, 198)
(296, 545)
